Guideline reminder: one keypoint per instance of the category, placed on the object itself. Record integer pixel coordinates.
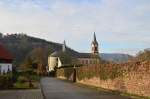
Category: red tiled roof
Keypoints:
(4, 53)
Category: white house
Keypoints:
(5, 60)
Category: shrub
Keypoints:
(105, 71)
(5, 82)
(22, 79)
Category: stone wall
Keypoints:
(128, 77)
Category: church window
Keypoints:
(83, 61)
(90, 61)
(86, 61)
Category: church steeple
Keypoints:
(64, 46)
(94, 45)
(94, 38)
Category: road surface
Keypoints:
(57, 89)
(21, 94)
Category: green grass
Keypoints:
(21, 85)
(35, 77)
(25, 85)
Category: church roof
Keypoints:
(84, 55)
(55, 54)
(73, 54)
(4, 53)
(67, 50)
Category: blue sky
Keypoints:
(121, 26)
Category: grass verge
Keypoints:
(113, 92)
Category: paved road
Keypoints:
(21, 94)
(58, 89)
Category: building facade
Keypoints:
(5, 60)
(67, 56)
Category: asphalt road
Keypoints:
(57, 89)
(21, 94)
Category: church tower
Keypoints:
(95, 45)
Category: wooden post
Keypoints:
(74, 74)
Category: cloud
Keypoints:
(120, 25)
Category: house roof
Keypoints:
(4, 53)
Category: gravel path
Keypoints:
(58, 89)
(21, 94)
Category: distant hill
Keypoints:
(116, 57)
(21, 45)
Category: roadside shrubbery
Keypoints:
(67, 72)
(26, 79)
(6, 81)
(22, 79)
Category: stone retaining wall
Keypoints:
(128, 77)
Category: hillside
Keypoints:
(21, 46)
(143, 55)
(115, 57)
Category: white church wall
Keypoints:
(52, 63)
(59, 63)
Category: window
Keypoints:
(8, 68)
(91, 62)
(82, 61)
(86, 61)
(3, 71)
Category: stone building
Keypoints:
(5, 60)
(67, 56)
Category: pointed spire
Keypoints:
(94, 45)
(64, 46)
(95, 37)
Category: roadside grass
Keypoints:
(25, 85)
(18, 85)
(24, 82)
(113, 92)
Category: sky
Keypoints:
(121, 26)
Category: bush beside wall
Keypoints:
(65, 73)
(6, 81)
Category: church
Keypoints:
(67, 57)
